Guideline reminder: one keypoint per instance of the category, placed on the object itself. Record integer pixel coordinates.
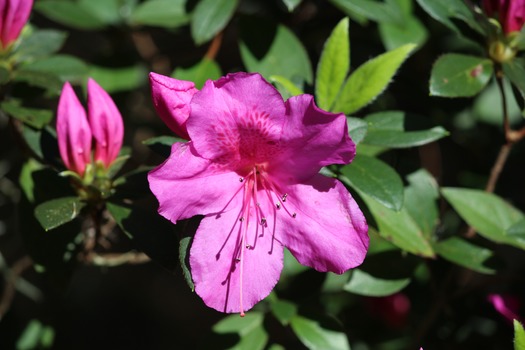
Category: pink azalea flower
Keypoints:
(251, 168)
(510, 13)
(75, 134)
(14, 14)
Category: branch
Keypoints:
(11, 278)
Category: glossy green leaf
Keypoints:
(283, 310)
(487, 213)
(290, 89)
(444, 10)
(456, 75)
(119, 79)
(40, 43)
(399, 228)
(519, 336)
(379, 11)
(333, 66)
(315, 337)
(58, 211)
(410, 30)
(365, 284)
(357, 129)
(240, 325)
(199, 73)
(514, 70)
(284, 49)
(370, 80)
(184, 249)
(463, 253)
(376, 179)
(210, 17)
(291, 4)
(72, 14)
(420, 200)
(162, 13)
(517, 230)
(37, 118)
(45, 72)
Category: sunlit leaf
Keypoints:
(210, 17)
(365, 284)
(519, 336)
(58, 211)
(315, 337)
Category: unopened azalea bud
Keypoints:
(106, 124)
(13, 16)
(73, 132)
(510, 13)
(501, 52)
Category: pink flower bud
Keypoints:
(510, 13)
(13, 16)
(73, 131)
(106, 124)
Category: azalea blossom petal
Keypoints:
(14, 14)
(235, 117)
(187, 185)
(216, 272)
(171, 98)
(106, 124)
(313, 138)
(329, 231)
(73, 131)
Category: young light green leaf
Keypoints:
(290, 88)
(411, 30)
(58, 211)
(333, 66)
(519, 336)
(162, 13)
(362, 283)
(487, 213)
(457, 75)
(210, 17)
(205, 69)
(376, 179)
(399, 228)
(315, 337)
(465, 254)
(285, 48)
(370, 80)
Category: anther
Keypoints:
(278, 205)
(263, 221)
(241, 219)
(237, 259)
(241, 179)
(248, 246)
(284, 197)
(294, 215)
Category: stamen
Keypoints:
(241, 179)
(241, 219)
(263, 221)
(284, 197)
(278, 205)
(294, 215)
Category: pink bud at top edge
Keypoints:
(73, 131)
(510, 13)
(106, 124)
(172, 98)
(14, 14)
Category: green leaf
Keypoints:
(487, 213)
(399, 228)
(162, 144)
(210, 17)
(333, 66)
(184, 249)
(456, 75)
(370, 80)
(199, 73)
(315, 337)
(291, 4)
(444, 10)
(283, 310)
(375, 10)
(40, 43)
(357, 129)
(255, 339)
(420, 201)
(162, 13)
(487, 106)
(386, 129)
(284, 55)
(514, 70)
(519, 336)
(465, 254)
(376, 179)
(37, 118)
(410, 30)
(58, 211)
(51, 72)
(517, 230)
(362, 283)
(119, 79)
(285, 83)
(107, 11)
(71, 14)
(240, 325)
(36, 336)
